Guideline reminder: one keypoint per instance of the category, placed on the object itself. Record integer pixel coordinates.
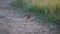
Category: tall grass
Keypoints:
(48, 9)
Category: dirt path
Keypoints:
(13, 23)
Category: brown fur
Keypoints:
(27, 17)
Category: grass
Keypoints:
(48, 9)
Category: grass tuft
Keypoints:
(47, 9)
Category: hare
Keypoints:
(27, 17)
